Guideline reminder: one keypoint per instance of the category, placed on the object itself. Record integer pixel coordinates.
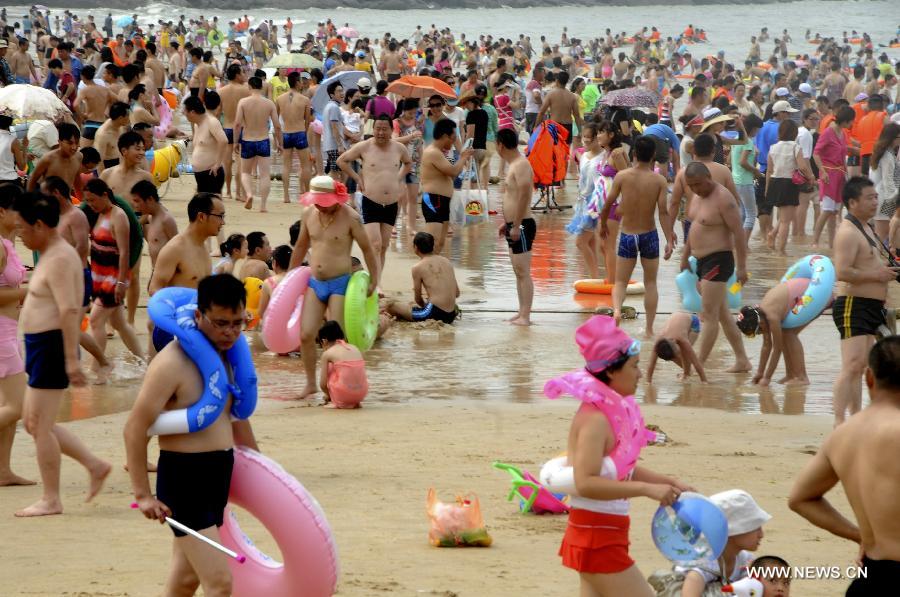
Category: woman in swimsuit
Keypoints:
(12, 369)
(614, 160)
(233, 250)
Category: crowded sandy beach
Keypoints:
(344, 311)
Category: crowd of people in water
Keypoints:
(797, 141)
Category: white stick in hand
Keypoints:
(175, 524)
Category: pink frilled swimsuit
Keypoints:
(347, 382)
(12, 277)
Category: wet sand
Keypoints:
(445, 401)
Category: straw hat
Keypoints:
(713, 116)
(324, 191)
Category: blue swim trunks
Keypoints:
(252, 149)
(695, 323)
(45, 361)
(325, 288)
(647, 244)
(295, 140)
(229, 134)
(161, 338)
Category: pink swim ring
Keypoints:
(281, 323)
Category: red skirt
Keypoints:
(596, 543)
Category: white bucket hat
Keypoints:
(741, 511)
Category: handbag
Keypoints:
(798, 178)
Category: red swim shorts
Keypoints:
(596, 543)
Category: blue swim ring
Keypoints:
(172, 310)
(820, 271)
(687, 281)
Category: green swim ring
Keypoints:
(360, 312)
(215, 37)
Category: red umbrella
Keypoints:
(420, 87)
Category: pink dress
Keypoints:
(832, 149)
(12, 277)
(347, 382)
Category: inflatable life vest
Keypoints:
(547, 152)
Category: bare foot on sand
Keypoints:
(40, 508)
(797, 381)
(98, 477)
(102, 372)
(151, 468)
(740, 367)
(9, 478)
(308, 392)
(249, 203)
(520, 321)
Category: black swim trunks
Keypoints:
(881, 579)
(716, 267)
(209, 181)
(435, 208)
(376, 213)
(527, 232)
(194, 485)
(110, 163)
(45, 361)
(429, 311)
(857, 316)
(391, 77)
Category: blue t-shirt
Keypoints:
(661, 131)
(765, 139)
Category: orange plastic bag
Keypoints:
(459, 524)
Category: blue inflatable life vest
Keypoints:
(687, 282)
(172, 310)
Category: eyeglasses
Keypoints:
(221, 216)
(222, 326)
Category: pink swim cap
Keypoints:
(602, 343)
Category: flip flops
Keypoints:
(627, 312)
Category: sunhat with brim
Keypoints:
(324, 191)
(467, 98)
(603, 343)
(741, 511)
(716, 120)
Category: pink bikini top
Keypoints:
(622, 412)
(14, 273)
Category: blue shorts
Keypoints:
(161, 338)
(295, 140)
(647, 244)
(252, 149)
(695, 323)
(229, 134)
(22, 80)
(325, 288)
(88, 287)
(45, 361)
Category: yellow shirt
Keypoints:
(364, 66)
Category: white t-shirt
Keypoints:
(42, 137)
(531, 105)
(332, 113)
(710, 570)
(805, 141)
(457, 115)
(783, 159)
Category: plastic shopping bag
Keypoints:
(458, 524)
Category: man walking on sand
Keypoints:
(296, 113)
(519, 227)
(861, 455)
(715, 236)
(643, 193)
(233, 91)
(50, 320)
(251, 128)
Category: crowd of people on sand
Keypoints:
(754, 145)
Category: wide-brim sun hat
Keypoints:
(324, 191)
(715, 120)
(741, 510)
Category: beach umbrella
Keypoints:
(30, 102)
(124, 21)
(349, 32)
(632, 97)
(292, 60)
(420, 87)
(348, 80)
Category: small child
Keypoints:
(675, 344)
(281, 260)
(343, 370)
(776, 581)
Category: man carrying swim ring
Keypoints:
(194, 470)
(765, 318)
(596, 539)
(327, 232)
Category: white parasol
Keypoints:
(29, 102)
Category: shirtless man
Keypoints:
(259, 253)
(50, 319)
(156, 68)
(91, 105)
(385, 164)
(436, 176)
(676, 343)
(643, 193)
(211, 149)
(391, 66)
(194, 469)
(519, 227)
(74, 228)
(110, 269)
(64, 161)
(863, 280)
(861, 455)
(434, 274)
(715, 237)
(122, 177)
(561, 105)
(295, 111)
(200, 76)
(327, 232)
(22, 65)
(233, 91)
(106, 140)
(251, 127)
(704, 148)
(142, 108)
